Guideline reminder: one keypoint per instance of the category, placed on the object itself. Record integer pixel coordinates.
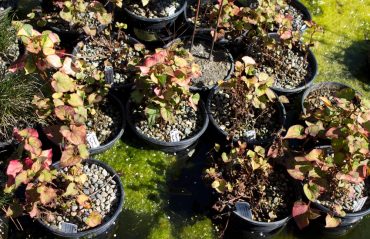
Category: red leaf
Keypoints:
(300, 214)
(158, 57)
(35, 211)
(47, 155)
(28, 162)
(14, 167)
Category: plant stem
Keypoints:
(195, 26)
(215, 33)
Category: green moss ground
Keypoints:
(341, 54)
(342, 50)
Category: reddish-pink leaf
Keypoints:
(156, 58)
(14, 167)
(34, 213)
(47, 155)
(300, 213)
(286, 35)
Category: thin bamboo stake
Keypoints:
(215, 33)
(195, 26)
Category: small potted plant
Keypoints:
(72, 19)
(153, 19)
(334, 176)
(216, 64)
(70, 198)
(78, 92)
(117, 54)
(255, 189)
(251, 111)
(312, 97)
(282, 55)
(162, 110)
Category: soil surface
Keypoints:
(270, 197)
(260, 125)
(188, 122)
(106, 123)
(117, 52)
(289, 67)
(213, 70)
(155, 8)
(102, 190)
(348, 199)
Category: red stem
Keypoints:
(215, 33)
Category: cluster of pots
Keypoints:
(146, 28)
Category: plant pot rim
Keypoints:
(258, 223)
(159, 19)
(201, 107)
(201, 38)
(315, 86)
(281, 110)
(104, 226)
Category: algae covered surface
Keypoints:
(342, 54)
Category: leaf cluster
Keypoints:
(164, 82)
(48, 191)
(345, 124)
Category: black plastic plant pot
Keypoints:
(152, 25)
(199, 38)
(169, 147)
(94, 232)
(347, 222)
(312, 88)
(303, 9)
(243, 212)
(222, 135)
(71, 36)
(104, 147)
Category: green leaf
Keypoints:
(75, 100)
(311, 192)
(221, 185)
(46, 176)
(71, 190)
(62, 82)
(83, 151)
(225, 158)
(295, 132)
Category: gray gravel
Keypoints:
(188, 122)
(102, 190)
(155, 8)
